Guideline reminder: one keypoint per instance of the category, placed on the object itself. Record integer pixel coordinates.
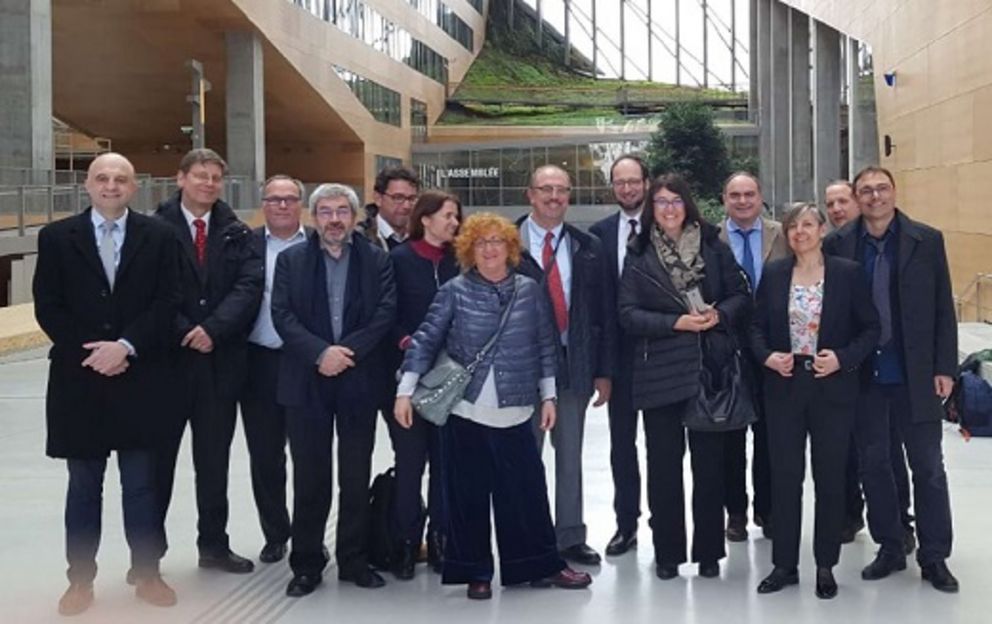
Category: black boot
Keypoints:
(435, 551)
(404, 560)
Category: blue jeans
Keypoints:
(84, 504)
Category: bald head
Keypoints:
(111, 184)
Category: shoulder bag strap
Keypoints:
(499, 330)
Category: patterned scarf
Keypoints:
(682, 258)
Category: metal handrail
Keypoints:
(972, 294)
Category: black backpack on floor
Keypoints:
(381, 503)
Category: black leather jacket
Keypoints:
(465, 314)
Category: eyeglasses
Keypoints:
(627, 183)
(481, 243)
(664, 203)
(400, 198)
(866, 192)
(327, 213)
(203, 177)
(275, 200)
(550, 189)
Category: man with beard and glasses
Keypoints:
(629, 178)
(333, 302)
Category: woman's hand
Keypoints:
(712, 318)
(692, 323)
(825, 363)
(781, 363)
(549, 414)
(403, 411)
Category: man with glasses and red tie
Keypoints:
(755, 240)
(911, 371)
(221, 279)
(630, 179)
(569, 264)
(263, 418)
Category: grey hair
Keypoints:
(283, 177)
(333, 189)
(797, 210)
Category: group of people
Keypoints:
(848, 338)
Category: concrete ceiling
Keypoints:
(119, 71)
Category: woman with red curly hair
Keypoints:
(487, 445)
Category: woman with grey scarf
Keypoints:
(680, 283)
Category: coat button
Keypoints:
(103, 293)
(106, 326)
(203, 302)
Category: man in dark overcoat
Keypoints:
(105, 292)
(221, 276)
(910, 373)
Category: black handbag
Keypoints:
(724, 401)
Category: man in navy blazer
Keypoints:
(630, 179)
(911, 371)
(105, 291)
(333, 302)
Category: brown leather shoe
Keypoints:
(76, 599)
(154, 591)
(566, 579)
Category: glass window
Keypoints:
(418, 121)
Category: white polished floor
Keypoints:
(625, 589)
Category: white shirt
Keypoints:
(623, 232)
(264, 332)
(190, 217)
(118, 234)
(386, 231)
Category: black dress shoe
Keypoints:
(709, 569)
(404, 560)
(778, 580)
(272, 553)
(737, 528)
(580, 553)
(620, 543)
(480, 590)
(883, 565)
(940, 577)
(851, 529)
(227, 562)
(367, 578)
(666, 571)
(826, 586)
(303, 584)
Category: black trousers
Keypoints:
(311, 438)
(878, 407)
(412, 448)
(623, 453)
(855, 502)
(735, 464)
(495, 471)
(211, 416)
(84, 508)
(265, 432)
(796, 408)
(665, 437)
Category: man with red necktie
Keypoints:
(569, 263)
(221, 278)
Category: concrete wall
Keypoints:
(939, 113)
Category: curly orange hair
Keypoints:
(484, 225)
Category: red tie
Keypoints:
(555, 288)
(200, 240)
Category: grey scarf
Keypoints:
(682, 258)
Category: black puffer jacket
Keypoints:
(667, 361)
(465, 314)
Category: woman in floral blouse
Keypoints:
(814, 324)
